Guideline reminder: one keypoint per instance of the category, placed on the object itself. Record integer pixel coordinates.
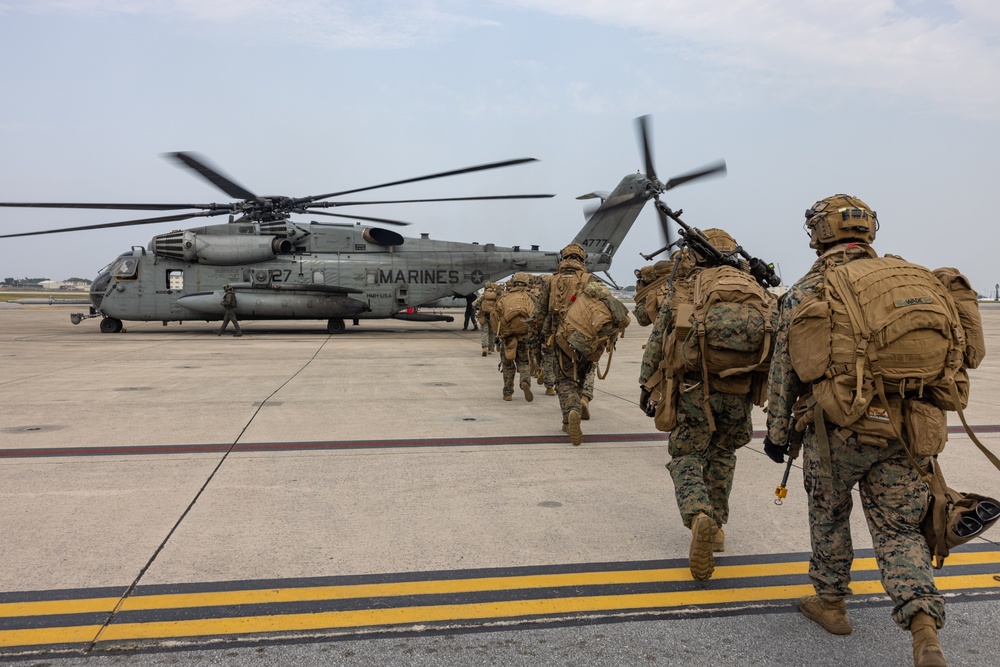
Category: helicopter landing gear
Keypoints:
(336, 325)
(111, 325)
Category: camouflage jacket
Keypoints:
(229, 300)
(784, 385)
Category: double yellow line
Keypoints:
(417, 614)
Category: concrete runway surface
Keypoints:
(173, 497)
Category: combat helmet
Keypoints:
(520, 280)
(840, 218)
(573, 250)
(720, 239)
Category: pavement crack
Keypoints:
(152, 559)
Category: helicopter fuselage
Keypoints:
(311, 279)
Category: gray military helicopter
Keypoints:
(285, 270)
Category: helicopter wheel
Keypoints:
(111, 325)
(336, 326)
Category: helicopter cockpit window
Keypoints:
(125, 268)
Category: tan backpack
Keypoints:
(875, 330)
(593, 322)
(489, 302)
(514, 314)
(563, 287)
(967, 303)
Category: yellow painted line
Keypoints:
(433, 587)
(481, 611)
(50, 607)
(77, 634)
(415, 615)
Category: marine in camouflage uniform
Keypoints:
(521, 363)
(488, 335)
(569, 374)
(702, 463)
(892, 496)
(543, 355)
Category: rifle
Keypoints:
(763, 272)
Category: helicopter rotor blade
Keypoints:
(124, 223)
(455, 172)
(642, 127)
(213, 176)
(334, 204)
(355, 217)
(708, 170)
(664, 226)
(118, 207)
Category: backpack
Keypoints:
(563, 288)
(489, 301)
(876, 328)
(592, 324)
(967, 304)
(514, 314)
(732, 323)
(724, 323)
(654, 283)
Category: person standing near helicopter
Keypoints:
(229, 303)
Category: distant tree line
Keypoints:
(29, 282)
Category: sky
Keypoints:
(896, 102)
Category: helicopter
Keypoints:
(288, 270)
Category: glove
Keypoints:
(775, 452)
(644, 400)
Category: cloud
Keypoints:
(933, 52)
(336, 24)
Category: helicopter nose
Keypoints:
(98, 287)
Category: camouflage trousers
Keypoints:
(588, 383)
(521, 364)
(703, 463)
(893, 499)
(488, 334)
(549, 367)
(570, 378)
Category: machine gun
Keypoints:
(763, 272)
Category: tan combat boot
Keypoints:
(719, 544)
(584, 408)
(700, 559)
(550, 391)
(926, 647)
(831, 615)
(526, 388)
(484, 351)
(508, 397)
(573, 428)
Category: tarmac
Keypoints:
(169, 495)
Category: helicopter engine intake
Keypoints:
(224, 250)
